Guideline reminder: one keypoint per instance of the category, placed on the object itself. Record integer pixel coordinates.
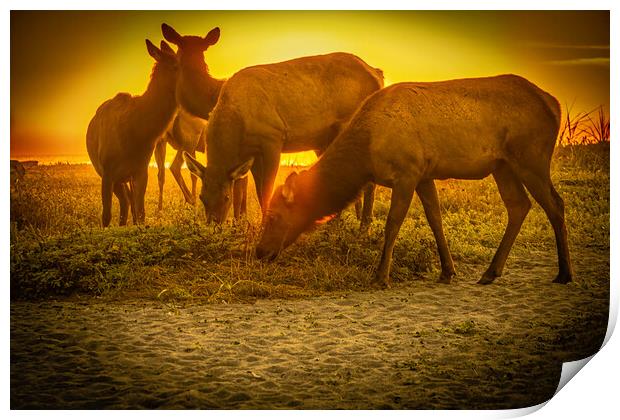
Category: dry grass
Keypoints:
(583, 129)
(58, 248)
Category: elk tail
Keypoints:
(554, 106)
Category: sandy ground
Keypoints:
(419, 345)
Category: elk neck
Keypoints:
(198, 92)
(338, 177)
(156, 107)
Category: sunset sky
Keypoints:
(65, 64)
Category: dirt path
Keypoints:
(420, 345)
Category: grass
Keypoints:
(58, 248)
(584, 129)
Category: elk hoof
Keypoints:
(563, 278)
(364, 228)
(445, 278)
(383, 281)
(486, 279)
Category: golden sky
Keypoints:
(64, 64)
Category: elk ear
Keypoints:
(166, 49)
(193, 165)
(289, 187)
(153, 50)
(170, 34)
(240, 170)
(212, 37)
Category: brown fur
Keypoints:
(292, 106)
(197, 93)
(408, 135)
(264, 110)
(122, 135)
(187, 134)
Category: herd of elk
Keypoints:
(264, 110)
(402, 137)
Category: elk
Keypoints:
(197, 93)
(187, 135)
(265, 110)
(184, 135)
(123, 133)
(409, 134)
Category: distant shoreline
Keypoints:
(77, 160)
(50, 160)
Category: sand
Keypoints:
(418, 345)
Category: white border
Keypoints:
(593, 393)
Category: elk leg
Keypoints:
(539, 185)
(127, 193)
(271, 164)
(106, 200)
(518, 205)
(257, 174)
(194, 179)
(160, 159)
(130, 188)
(140, 181)
(369, 201)
(244, 194)
(430, 201)
(400, 202)
(175, 168)
(358, 209)
(121, 193)
(240, 190)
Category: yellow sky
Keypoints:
(65, 64)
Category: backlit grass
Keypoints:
(58, 248)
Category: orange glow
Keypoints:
(298, 159)
(95, 54)
(325, 219)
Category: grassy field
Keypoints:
(58, 248)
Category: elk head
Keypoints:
(164, 56)
(191, 48)
(217, 186)
(287, 217)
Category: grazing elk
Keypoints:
(123, 133)
(187, 134)
(264, 110)
(406, 135)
